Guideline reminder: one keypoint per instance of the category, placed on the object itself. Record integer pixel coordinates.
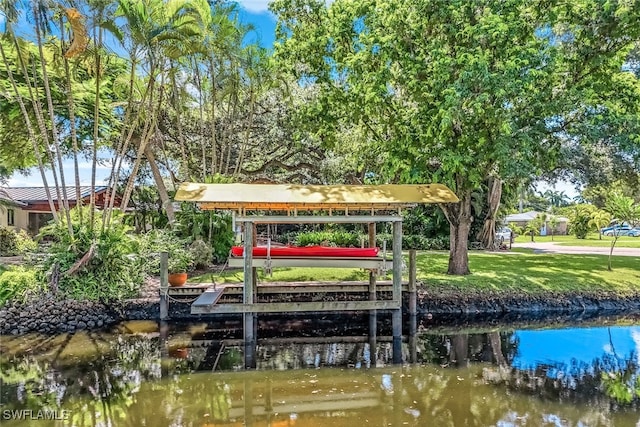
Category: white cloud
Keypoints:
(255, 6)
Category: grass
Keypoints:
(492, 272)
(592, 240)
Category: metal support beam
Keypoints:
(397, 292)
(164, 285)
(397, 261)
(373, 315)
(413, 303)
(294, 219)
(248, 298)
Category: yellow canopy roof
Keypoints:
(307, 197)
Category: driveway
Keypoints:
(553, 248)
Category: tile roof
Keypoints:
(38, 194)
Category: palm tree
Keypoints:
(599, 219)
(156, 30)
(11, 16)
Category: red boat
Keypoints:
(307, 251)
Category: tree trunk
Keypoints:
(72, 121)
(459, 217)
(31, 132)
(96, 122)
(488, 233)
(162, 189)
(52, 118)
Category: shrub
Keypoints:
(340, 238)
(154, 242)
(17, 283)
(110, 268)
(8, 242)
(413, 241)
(24, 243)
(579, 218)
(201, 253)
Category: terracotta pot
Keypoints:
(177, 279)
(179, 353)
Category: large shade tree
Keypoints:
(453, 91)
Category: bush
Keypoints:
(340, 238)
(579, 218)
(17, 283)
(8, 242)
(154, 242)
(24, 243)
(417, 242)
(201, 254)
(113, 271)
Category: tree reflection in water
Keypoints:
(462, 379)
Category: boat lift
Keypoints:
(311, 204)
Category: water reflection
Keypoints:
(190, 376)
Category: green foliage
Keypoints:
(517, 230)
(16, 283)
(113, 272)
(180, 260)
(156, 241)
(415, 241)
(15, 243)
(623, 386)
(8, 242)
(201, 253)
(623, 208)
(24, 243)
(212, 227)
(579, 217)
(599, 219)
(340, 238)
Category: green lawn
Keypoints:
(506, 272)
(591, 240)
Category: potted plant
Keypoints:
(180, 261)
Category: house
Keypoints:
(522, 219)
(27, 208)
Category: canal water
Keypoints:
(145, 374)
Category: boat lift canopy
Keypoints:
(291, 197)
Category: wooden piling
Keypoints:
(164, 285)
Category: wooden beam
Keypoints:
(297, 307)
(164, 285)
(294, 219)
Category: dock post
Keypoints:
(248, 298)
(164, 285)
(397, 292)
(373, 314)
(413, 304)
(248, 402)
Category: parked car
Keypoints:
(617, 230)
(503, 234)
(635, 232)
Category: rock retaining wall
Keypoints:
(51, 316)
